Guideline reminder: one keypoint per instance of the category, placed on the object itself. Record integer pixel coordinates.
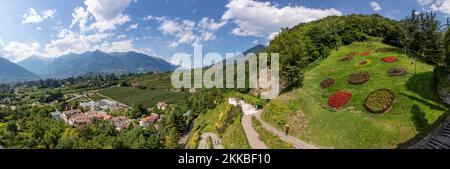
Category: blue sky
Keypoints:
(52, 28)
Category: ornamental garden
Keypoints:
(363, 95)
(378, 101)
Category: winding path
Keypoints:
(297, 143)
(203, 143)
(251, 133)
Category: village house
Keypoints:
(108, 104)
(97, 115)
(79, 119)
(162, 105)
(66, 115)
(145, 122)
(121, 122)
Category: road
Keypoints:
(203, 143)
(251, 133)
(297, 143)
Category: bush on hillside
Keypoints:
(358, 78)
(327, 83)
(442, 80)
(339, 99)
(379, 101)
(397, 72)
(226, 118)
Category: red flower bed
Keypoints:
(339, 99)
(390, 59)
(367, 53)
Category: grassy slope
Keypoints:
(268, 138)
(233, 137)
(415, 112)
(148, 97)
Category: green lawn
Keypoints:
(148, 97)
(268, 138)
(416, 111)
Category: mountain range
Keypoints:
(35, 67)
(95, 62)
(11, 72)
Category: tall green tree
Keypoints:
(447, 47)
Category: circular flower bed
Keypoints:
(346, 58)
(367, 53)
(379, 101)
(389, 59)
(364, 62)
(327, 83)
(339, 99)
(397, 72)
(385, 50)
(358, 78)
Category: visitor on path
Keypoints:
(286, 132)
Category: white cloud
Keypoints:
(188, 31)
(108, 13)
(133, 26)
(425, 2)
(122, 46)
(436, 5)
(81, 16)
(103, 26)
(375, 6)
(16, 51)
(255, 42)
(121, 36)
(39, 28)
(254, 18)
(72, 42)
(32, 16)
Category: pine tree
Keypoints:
(447, 48)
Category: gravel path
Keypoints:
(203, 143)
(251, 133)
(289, 139)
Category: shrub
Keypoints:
(385, 50)
(379, 101)
(327, 83)
(389, 59)
(358, 78)
(346, 58)
(367, 53)
(339, 99)
(363, 62)
(397, 72)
